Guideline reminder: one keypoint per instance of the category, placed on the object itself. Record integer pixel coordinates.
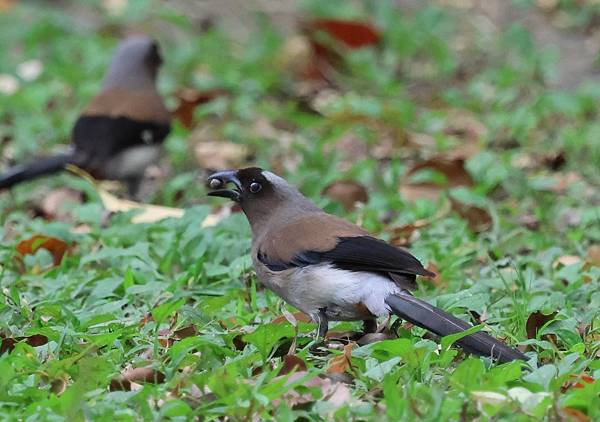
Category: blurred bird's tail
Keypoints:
(421, 313)
(41, 167)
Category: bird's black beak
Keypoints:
(217, 181)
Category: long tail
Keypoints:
(44, 166)
(421, 313)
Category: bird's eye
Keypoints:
(255, 187)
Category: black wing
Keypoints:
(359, 253)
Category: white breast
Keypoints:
(341, 292)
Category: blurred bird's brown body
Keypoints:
(120, 132)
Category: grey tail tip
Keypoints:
(439, 322)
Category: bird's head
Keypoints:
(136, 60)
(259, 193)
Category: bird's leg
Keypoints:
(369, 326)
(323, 324)
(321, 318)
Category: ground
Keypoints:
(466, 131)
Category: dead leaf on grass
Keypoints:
(347, 193)
(221, 155)
(58, 203)
(189, 99)
(572, 414)
(593, 255)
(298, 316)
(478, 219)
(9, 343)
(341, 363)
(536, 321)
(292, 363)
(125, 381)
(453, 171)
(57, 247)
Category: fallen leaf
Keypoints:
(336, 393)
(529, 221)
(535, 322)
(488, 397)
(58, 386)
(55, 246)
(125, 381)
(9, 343)
(353, 34)
(478, 219)
(406, 234)
(149, 213)
(566, 260)
(58, 204)
(577, 381)
(292, 363)
(572, 414)
(467, 130)
(189, 99)
(341, 363)
(563, 181)
(299, 316)
(437, 279)
(221, 155)
(347, 193)
(593, 255)
(115, 7)
(453, 171)
(6, 5)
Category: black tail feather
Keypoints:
(421, 313)
(41, 167)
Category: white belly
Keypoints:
(133, 161)
(344, 294)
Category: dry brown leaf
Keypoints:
(478, 219)
(593, 255)
(406, 234)
(58, 386)
(57, 247)
(347, 193)
(563, 181)
(9, 343)
(58, 203)
(572, 414)
(577, 381)
(221, 155)
(566, 260)
(353, 34)
(189, 99)
(149, 213)
(125, 381)
(299, 316)
(436, 280)
(341, 363)
(336, 393)
(535, 322)
(453, 170)
(468, 131)
(292, 363)
(6, 5)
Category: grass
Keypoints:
(119, 296)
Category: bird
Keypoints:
(120, 131)
(331, 269)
